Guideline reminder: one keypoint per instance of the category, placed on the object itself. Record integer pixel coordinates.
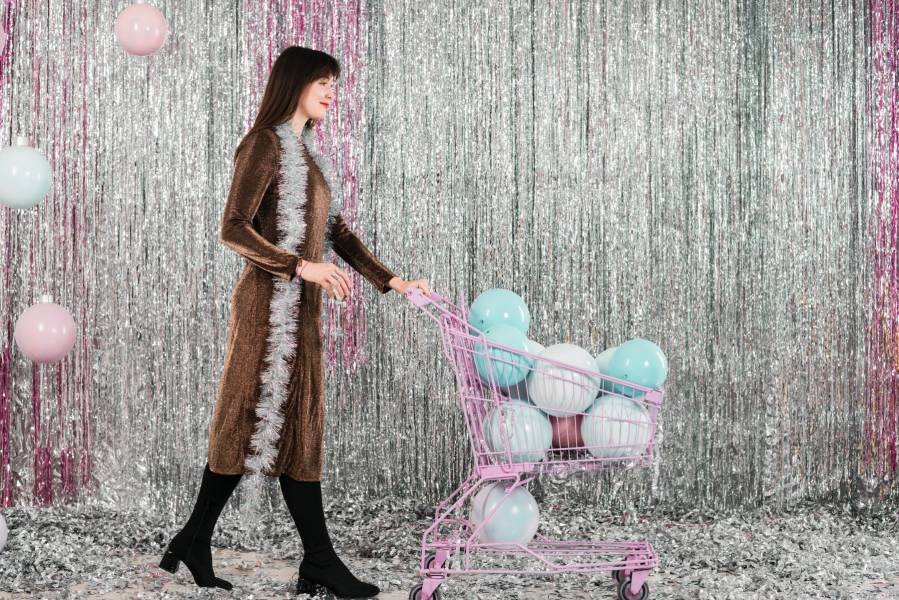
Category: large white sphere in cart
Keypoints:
(529, 431)
(516, 518)
(615, 427)
(559, 391)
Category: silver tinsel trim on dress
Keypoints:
(282, 338)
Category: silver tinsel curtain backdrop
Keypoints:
(718, 177)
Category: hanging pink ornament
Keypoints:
(45, 332)
(141, 29)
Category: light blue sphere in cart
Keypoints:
(530, 434)
(520, 389)
(602, 365)
(24, 175)
(499, 306)
(639, 361)
(508, 367)
(516, 518)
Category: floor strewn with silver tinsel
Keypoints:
(809, 551)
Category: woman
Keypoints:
(269, 412)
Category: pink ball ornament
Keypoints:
(141, 29)
(45, 332)
(567, 431)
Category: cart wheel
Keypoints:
(415, 593)
(624, 592)
(430, 559)
(617, 575)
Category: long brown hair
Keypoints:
(294, 69)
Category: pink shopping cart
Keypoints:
(617, 430)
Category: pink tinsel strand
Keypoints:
(5, 397)
(353, 314)
(882, 339)
(68, 487)
(43, 475)
(43, 480)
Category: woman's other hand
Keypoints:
(402, 286)
(329, 276)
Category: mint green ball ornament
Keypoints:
(639, 361)
(499, 306)
(508, 367)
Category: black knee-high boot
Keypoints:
(191, 544)
(320, 565)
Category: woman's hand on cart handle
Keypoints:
(332, 278)
(402, 286)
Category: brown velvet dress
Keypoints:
(250, 227)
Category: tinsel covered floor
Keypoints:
(809, 551)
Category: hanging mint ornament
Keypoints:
(24, 175)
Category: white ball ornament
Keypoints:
(25, 175)
(615, 427)
(560, 391)
(528, 431)
(516, 519)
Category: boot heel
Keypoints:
(169, 562)
(304, 586)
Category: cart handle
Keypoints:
(418, 298)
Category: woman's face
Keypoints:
(318, 96)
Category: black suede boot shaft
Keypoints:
(320, 565)
(191, 544)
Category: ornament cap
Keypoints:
(22, 140)
(46, 297)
